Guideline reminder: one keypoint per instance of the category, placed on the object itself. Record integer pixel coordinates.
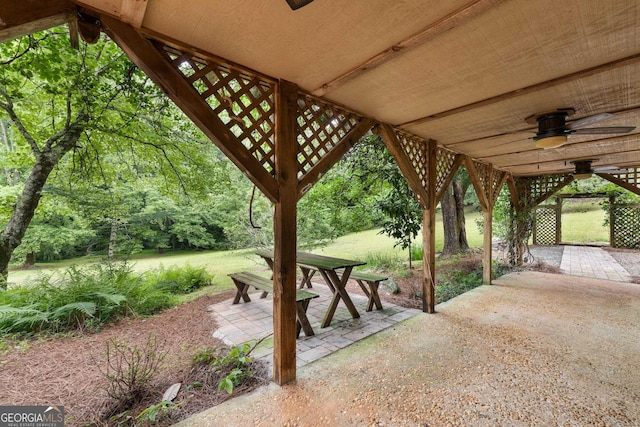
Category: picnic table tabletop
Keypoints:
(316, 261)
(327, 266)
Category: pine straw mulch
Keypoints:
(64, 371)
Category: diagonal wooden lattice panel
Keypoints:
(626, 226)
(496, 184)
(445, 162)
(415, 149)
(535, 190)
(631, 176)
(242, 101)
(484, 176)
(545, 226)
(321, 127)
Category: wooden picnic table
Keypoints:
(328, 268)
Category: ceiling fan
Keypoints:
(297, 4)
(584, 170)
(553, 129)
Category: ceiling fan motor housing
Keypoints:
(552, 124)
(583, 167)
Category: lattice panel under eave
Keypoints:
(321, 127)
(484, 175)
(631, 177)
(496, 184)
(415, 149)
(243, 102)
(445, 160)
(540, 187)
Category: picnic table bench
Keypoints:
(244, 280)
(372, 281)
(328, 268)
(369, 283)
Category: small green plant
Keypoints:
(238, 361)
(232, 369)
(129, 370)
(156, 412)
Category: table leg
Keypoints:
(337, 286)
(374, 297)
(242, 292)
(307, 274)
(302, 320)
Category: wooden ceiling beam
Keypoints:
(449, 22)
(629, 60)
(132, 12)
(23, 17)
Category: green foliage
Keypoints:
(91, 296)
(462, 274)
(156, 412)
(233, 368)
(236, 363)
(382, 260)
(180, 280)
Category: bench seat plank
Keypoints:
(372, 282)
(244, 280)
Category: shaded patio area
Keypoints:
(532, 349)
(245, 322)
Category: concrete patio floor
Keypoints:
(245, 322)
(532, 349)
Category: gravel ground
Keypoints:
(628, 258)
(532, 349)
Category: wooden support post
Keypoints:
(558, 216)
(429, 260)
(429, 234)
(487, 238)
(285, 236)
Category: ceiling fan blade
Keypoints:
(591, 120)
(612, 170)
(604, 130)
(297, 4)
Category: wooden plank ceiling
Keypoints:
(464, 73)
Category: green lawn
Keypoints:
(585, 227)
(577, 227)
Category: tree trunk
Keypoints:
(113, 235)
(461, 230)
(25, 207)
(455, 234)
(449, 221)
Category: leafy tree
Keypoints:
(376, 170)
(95, 104)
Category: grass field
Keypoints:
(577, 227)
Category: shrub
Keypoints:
(83, 298)
(230, 370)
(383, 260)
(180, 280)
(129, 370)
(462, 274)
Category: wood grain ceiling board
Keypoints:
(309, 46)
(513, 45)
